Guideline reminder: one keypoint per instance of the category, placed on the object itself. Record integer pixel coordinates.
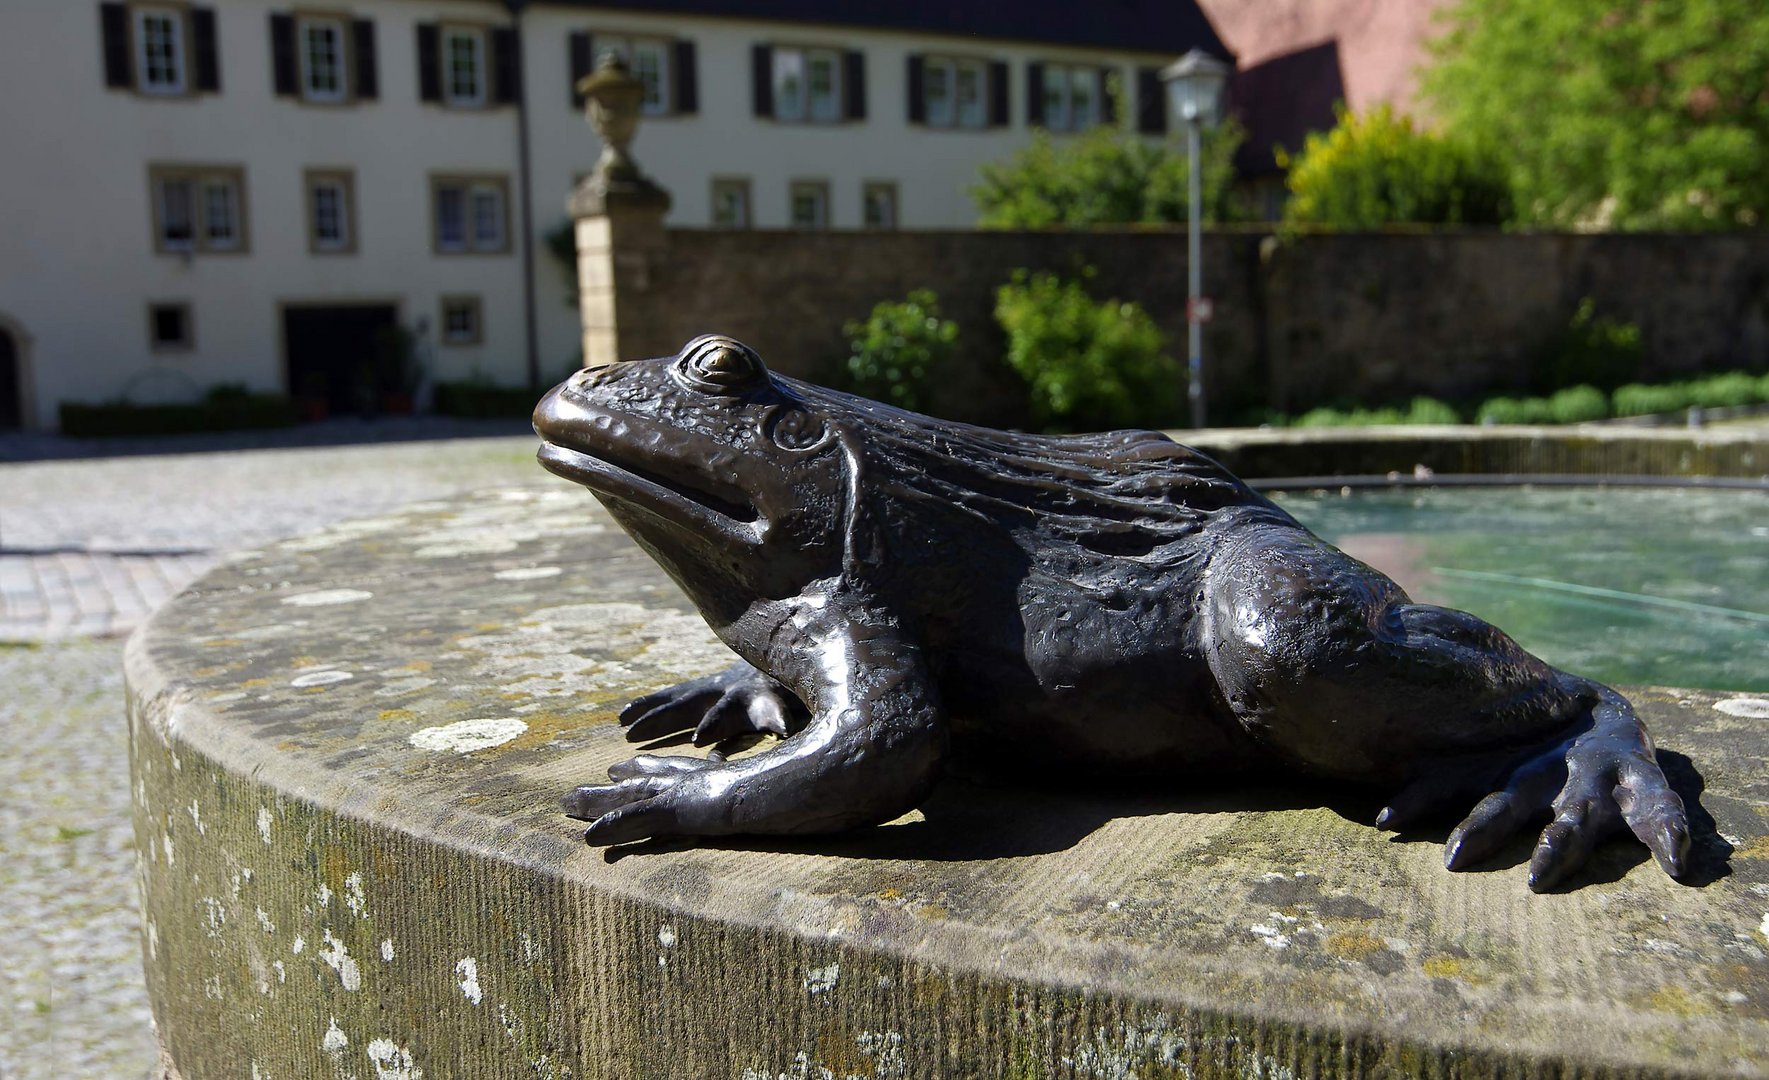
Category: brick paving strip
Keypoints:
(88, 548)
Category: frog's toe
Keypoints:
(593, 801)
(740, 712)
(655, 765)
(645, 820)
(667, 712)
(1655, 814)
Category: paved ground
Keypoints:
(89, 545)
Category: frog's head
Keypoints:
(726, 474)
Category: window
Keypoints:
(955, 92)
(168, 327)
(649, 60)
(470, 215)
(324, 69)
(463, 66)
(198, 209)
(879, 205)
(806, 85)
(159, 50)
(810, 204)
(331, 212)
(461, 321)
(730, 203)
(1071, 96)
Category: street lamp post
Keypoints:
(1194, 89)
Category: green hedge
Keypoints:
(220, 413)
(480, 400)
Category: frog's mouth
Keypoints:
(568, 449)
(650, 490)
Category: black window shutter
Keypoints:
(282, 55)
(687, 79)
(203, 51)
(1035, 94)
(854, 84)
(1108, 103)
(1000, 114)
(761, 59)
(429, 62)
(368, 71)
(1151, 102)
(582, 58)
(917, 89)
(506, 65)
(113, 20)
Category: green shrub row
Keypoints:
(225, 409)
(476, 399)
(1573, 405)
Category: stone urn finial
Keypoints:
(613, 97)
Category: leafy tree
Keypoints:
(1108, 175)
(1635, 115)
(899, 350)
(1378, 169)
(1088, 365)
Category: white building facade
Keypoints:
(250, 192)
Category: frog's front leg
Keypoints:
(873, 748)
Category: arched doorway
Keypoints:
(12, 381)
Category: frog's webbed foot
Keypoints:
(736, 702)
(1593, 784)
(871, 751)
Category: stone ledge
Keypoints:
(1508, 449)
(346, 750)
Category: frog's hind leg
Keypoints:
(1329, 665)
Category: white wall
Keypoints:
(77, 261)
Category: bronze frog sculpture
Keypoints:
(905, 592)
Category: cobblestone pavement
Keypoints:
(87, 548)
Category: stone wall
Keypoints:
(1299, 321)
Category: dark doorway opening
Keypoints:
(12, 386)
(331, 353)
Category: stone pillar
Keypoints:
(619, 214)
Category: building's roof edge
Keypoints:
(1141, 26)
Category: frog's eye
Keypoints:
(792, 428)
(720, 364)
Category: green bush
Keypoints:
(1577, 404)
(1377, 169)
(1636, 399)
(1087, 365)
(1505, 410)
(223, 410)
(1724, 391)
(1104, 176)
(899, 350)
(1424, 410)
(478, 399)
(1593, 350)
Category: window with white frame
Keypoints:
(809, 204)
(1072, 96)
(463, 66)
(470, 215)
(807, 85)
(198, 209)
(878, 200)
(323, 55)
(160, 60)
(330, 212)
(730, 203)
(956, 92)
(461, 323)
(649, 60)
